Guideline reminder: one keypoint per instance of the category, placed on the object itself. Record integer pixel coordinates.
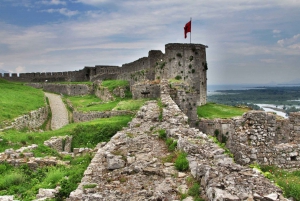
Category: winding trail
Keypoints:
(59, 111)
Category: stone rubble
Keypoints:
(131, 165)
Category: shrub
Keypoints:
(178, 77)
(179, 55)
(172, 144)
(162, 134)
(194, 190)
(181, 163)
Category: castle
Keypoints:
(185, 62)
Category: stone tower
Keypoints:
(186, 62)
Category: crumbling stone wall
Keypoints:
(186, 98)
(60, 144)
(185, 60)
(131, 162)
(66, 89)
(145, 90)
(32, 120)
(259, 137)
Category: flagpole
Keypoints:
(191, 32)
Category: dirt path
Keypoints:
(59, 111)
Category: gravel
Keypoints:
(59, 111)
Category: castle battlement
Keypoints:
(181, 60)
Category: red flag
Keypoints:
(187, 28)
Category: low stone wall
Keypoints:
(32, 120)
(66, 89)
(258, 137)
(104, 94)
(88, 116)
(60, 144)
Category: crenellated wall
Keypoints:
(185, 60)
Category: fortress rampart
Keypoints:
(183, 61)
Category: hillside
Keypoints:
(17, 99)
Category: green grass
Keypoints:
(16, 99)
(213, 110)
(288, 181)
(82, 132)
(81, 102)
(24, 183)
(92, 103)
(112, 84)
(131, 105)
(181, 162)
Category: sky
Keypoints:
(249, 41)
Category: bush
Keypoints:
(178, 77)
(194, 190)
(172, 144)
(181, 163)
(162, 134)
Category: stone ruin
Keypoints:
(131, 165)
(185, 62)
(259, 137)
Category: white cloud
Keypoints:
(20, 69)
(53, 2)
(63, 11)
(276, 31)
(289, 41)
(91, 2)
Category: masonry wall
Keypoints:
(32, 120)
(259, 137)
(145, 90)
(66, 89)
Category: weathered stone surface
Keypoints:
(258, 137)
(7, 198)
(143, 174)
(31, 121)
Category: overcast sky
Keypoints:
(250, 41)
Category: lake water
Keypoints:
(212, 89)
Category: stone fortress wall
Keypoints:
(258, 137)
(185, 60)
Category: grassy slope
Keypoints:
(112, 84)
(17, 99)
(16, 139)
(212, 110)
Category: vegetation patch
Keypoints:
(213, 110)
(112, 84)
(24, 183)
(10, 95)
(181, 162)
(288, 181)
(130, 105)
(81, 103)
(82, 134)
